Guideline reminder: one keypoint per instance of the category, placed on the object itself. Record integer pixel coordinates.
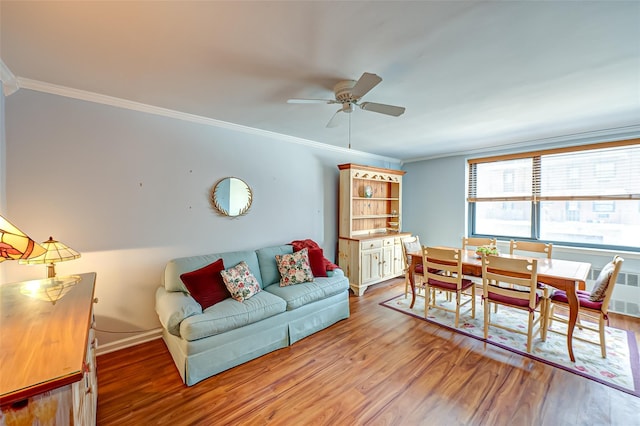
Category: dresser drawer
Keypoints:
(370, 244)
(388, 242)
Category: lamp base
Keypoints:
(51, 270)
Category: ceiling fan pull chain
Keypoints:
(349, 131)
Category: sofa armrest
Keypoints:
(335, 272)
(173, 307)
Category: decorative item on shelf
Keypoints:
(393, 227)
(15, 244)
(368, 191)
(55, 252)
(231, 197)
(489, 250)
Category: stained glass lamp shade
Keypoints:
(15, 244)
(55, 252)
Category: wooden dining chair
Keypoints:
(412, 245)
(513, 283)
(472, 243)
(443, 272)
(594, 305)
(521, 247)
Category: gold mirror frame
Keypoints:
(231, 197)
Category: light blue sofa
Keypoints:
(229, 333)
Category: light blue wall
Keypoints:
(129, 190)
(434, 200)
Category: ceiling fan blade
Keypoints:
(335, 120)
(366, 82)
(311, 101)
(382, 108)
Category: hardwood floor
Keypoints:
(378, 367)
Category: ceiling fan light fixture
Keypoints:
(348, 107)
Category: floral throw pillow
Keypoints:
(240, 282)
(294, 268)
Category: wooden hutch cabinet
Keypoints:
(370, 223)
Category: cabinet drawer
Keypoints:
(371, 244)
(388, 242)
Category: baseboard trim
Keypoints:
(129, 341)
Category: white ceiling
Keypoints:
(471, 74)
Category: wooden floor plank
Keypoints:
(379, 367)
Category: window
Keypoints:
(582, 196)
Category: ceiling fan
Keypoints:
(348, 93)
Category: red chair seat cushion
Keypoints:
(514, 301)
(450, 286)
(583, 299)
(420, 269)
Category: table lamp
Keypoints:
(55, 252)
(15, 244)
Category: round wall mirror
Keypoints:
(231, 197)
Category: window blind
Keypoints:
(598, 172)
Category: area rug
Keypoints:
(620, 370)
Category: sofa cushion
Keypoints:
(316, 260)
(294, 268)
(309, 292)
(176, 267)
(297, 295)
(334, 283)
(173, 307)
(206, 284)
(240, 282)
(231, 314)
(267, 261)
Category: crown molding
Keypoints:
(98, 98)
(9, 81)
(573, 139)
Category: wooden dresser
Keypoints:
(47, 352)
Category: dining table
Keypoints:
(562, 274)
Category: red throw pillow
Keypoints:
(206, 284)
(316, 259)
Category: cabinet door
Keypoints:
(370, 265)
(398, 260)
(387, 261)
